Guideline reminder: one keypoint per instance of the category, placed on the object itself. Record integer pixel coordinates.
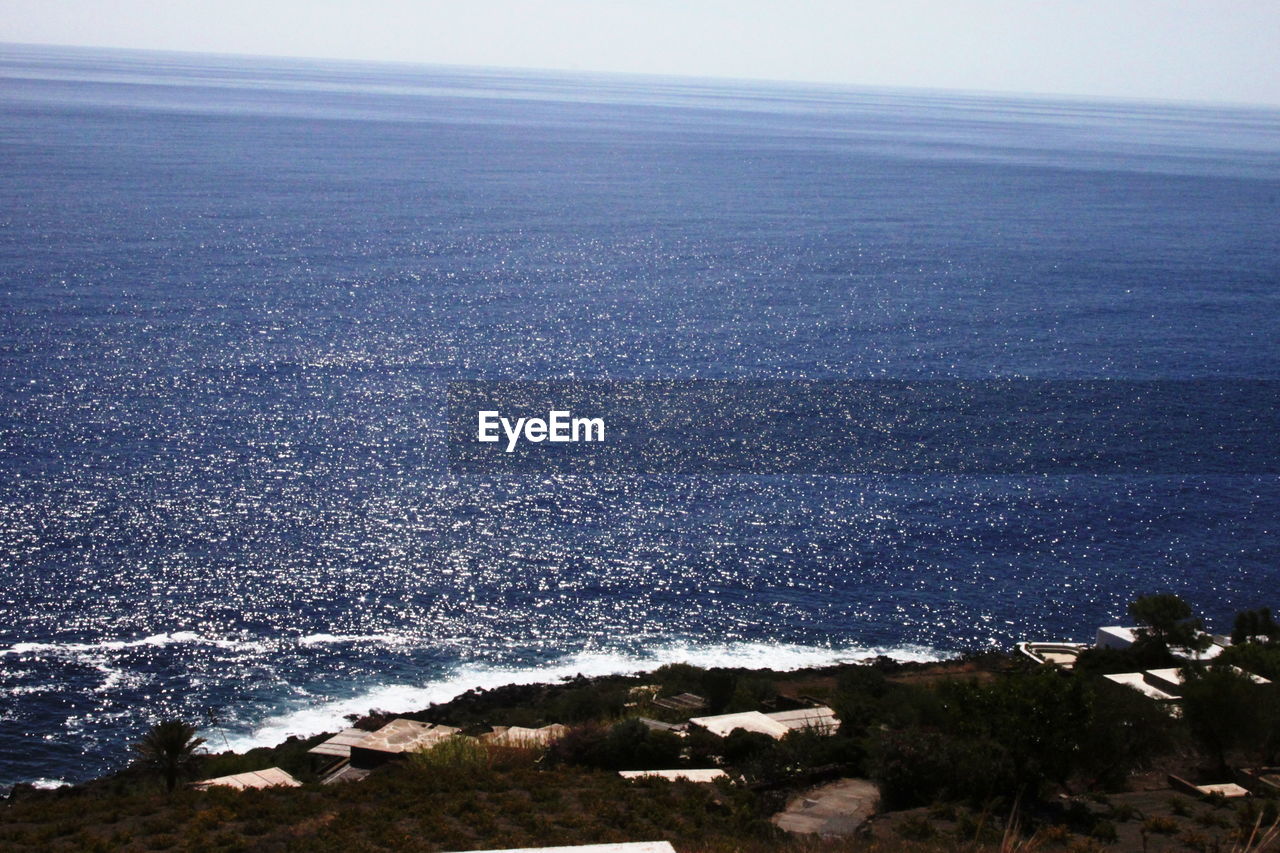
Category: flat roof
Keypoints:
(621, 847)
(822, 718)
(345, 773)
(1168, 679)
(709, 774)
(1224, 789)
(1256, 679)
(659, 725)
(1062, 654)
(270, 778)
(401, 735)
(340, 744)
(752, 721)
(1129, 635)
(521, 736)
(681, 702)
(1138, 681)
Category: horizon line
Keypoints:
(846, 86)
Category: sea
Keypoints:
(234, 291)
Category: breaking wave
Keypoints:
(335, 639)
(155, 640)
(328, 713)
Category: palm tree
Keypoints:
(169, 747)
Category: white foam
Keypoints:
(31, 689)
(114, 678)
(326, 716)
(328, 639)
(155, 640)
(48, 784)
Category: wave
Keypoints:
(333, 639)
(115, 678)
(192, 638)
(329, 715)
(117, 645)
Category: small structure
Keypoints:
(272, 777)
(709, 774)
(682, 702)
(337, 748)
(344, 772)
(1165, 685)
(1230, 790)
(1122, 637)
(659, 726)
(1260, 780)
(775, 724)
(620, 847)
(752, 721)
(1140, 681)
(396, 739)
(1058, 654)
(519, 736)
(1168, 680)
(821, 719)
(1115, 637)
(1256, 679)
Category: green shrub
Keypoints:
(453, 760)
(1054, 835)
(916, 767)
(628, 745)
(1160, 825)
(1123, 812)
(1104, 830)
(1212, 819)
(1193, 840)
(1224, 709)
(943, 811)
(916, 828)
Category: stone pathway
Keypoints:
(837, 808)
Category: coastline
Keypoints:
(317, 718)
(496, 689)
(528, 700)
(306, 713)
(922, 756)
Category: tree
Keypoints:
(628, 745)
(1254, 625)
(170, 748)
(1037, 717)
(1223, 710)
(1166, 620)
(1258, 658)
(1140, 656)
(1021, 735)
(1126, 730)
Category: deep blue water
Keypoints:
(232, 292)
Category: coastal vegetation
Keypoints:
(169, 748)
(974, 751)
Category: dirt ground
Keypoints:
(1150, 821)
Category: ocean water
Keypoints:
(232, 292)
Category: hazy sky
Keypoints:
(1203, 50)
